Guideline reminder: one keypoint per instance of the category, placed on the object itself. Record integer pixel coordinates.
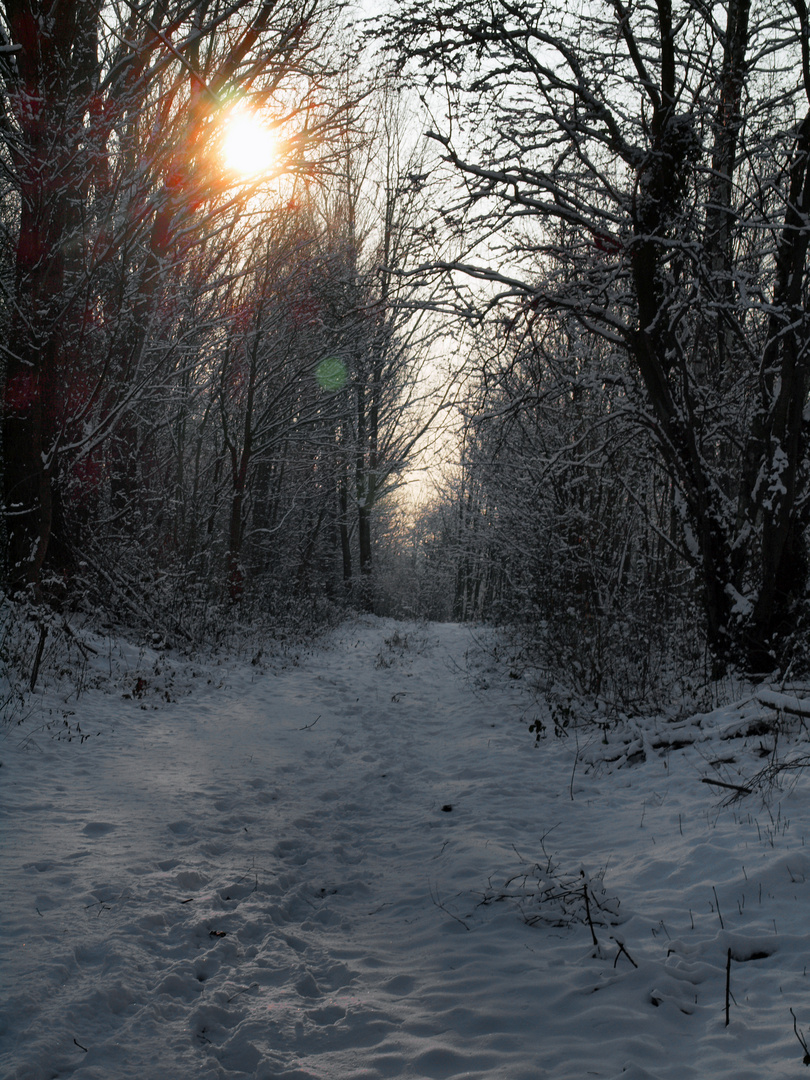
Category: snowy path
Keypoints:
(282, 878)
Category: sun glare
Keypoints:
(248, 145)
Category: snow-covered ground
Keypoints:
(355, 864)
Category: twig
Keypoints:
(446, 910)
(719, 913)
(728, 983)
(622, 949)
(77, 1043)
(801, 1039)
(733, 787)
(588, 912)
(242, 991)
(43, 633)
(82, 646)
(307, 727)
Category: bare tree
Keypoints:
(266, 389)
(644, 172)
(108, 123)
(565, 523)
(378, 331)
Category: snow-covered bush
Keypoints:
(17, 648)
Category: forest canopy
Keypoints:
(633, 182)
(169, 311)
(215, 378)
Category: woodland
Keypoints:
(509, 324)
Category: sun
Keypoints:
(248, 145)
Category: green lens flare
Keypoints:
(331, 373)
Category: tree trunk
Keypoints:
(54, 74)
(236, 577)
(345, 542)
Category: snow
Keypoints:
(353, 862)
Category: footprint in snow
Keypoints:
(98, 828)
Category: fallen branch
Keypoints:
(788, 703)
(732, 787)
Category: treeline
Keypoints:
(210, 381)
(631, 203)
(558, 521)
(212, 386)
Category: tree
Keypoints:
(109, 119)
(379, 330)
(644, 173)
(266, 390)
(565, 519)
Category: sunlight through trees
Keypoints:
(255, 255)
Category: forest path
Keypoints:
(299, 873)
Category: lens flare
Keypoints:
(331, 373)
